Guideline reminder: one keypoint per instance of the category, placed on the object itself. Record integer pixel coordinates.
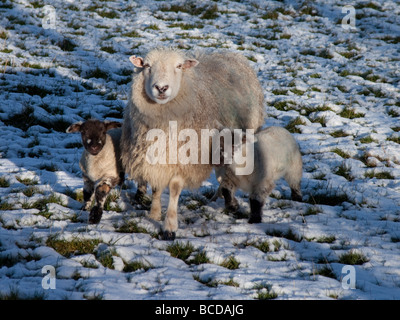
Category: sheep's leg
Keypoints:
(227, 189)
(88, 193)
(171, 219)
(155, 211)
(141, 191)
(257, 202)
(231, 203)
(121, 178)
(296, 194)
(101, 193)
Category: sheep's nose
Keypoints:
(161, 89)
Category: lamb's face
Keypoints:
(93, 133)
(93, 136)
(163, 74)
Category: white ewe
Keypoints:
(193, 92)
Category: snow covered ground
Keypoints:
(335, 88)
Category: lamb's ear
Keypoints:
(189, 63)
(112, 124)
(76, 127)
(137, 61)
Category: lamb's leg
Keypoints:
(88, 193)
(257, 201)
(155, 211)
(171, 219)
(101, 193)
(293, 178)
(216, 195)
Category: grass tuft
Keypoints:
(68, 248)
(230, 263)
(353, 258)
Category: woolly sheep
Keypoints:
(276, 154)
(193, 91)
(100, 162)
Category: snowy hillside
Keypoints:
(336, 88)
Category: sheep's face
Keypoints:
(93, 133)
(163, 74)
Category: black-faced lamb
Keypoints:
(100, 162)
(191, 91)
(276, 154)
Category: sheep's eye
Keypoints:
(88, 141)
(100, 142)
(179, 66)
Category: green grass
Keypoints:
(68, 248)
(4, 205)
(106, 259)
(368, 139)
(263, 246)
(200, 258)
(26, 117)
(230, 263)
(180, 250)
(284, 105)
(339, 134)
(353, 258)
(130, 226)
(330, 200)
(27, 181)
(265, 292)
(136, 265)
(326, 239)
(186, 26)
(350, 113)
(378, 175)
(132, 34)
(97, 73)
(108, 14)
(394, 139)
(344, 171)
(108, 49)
(312, 211)
(325, 271)
(289, 234)
(67, 45)
(341, 153)
(4, 182)
(3, 35)
(41, 204)
(292, 125)
(30, 191)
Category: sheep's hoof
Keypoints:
(95, 215)
(297, 197)
(234, 207)
(168, 235)
(256, 219)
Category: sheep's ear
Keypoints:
(189, 63)
(112, 124)
(137, 61)
(218, 125)
(76, 127)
